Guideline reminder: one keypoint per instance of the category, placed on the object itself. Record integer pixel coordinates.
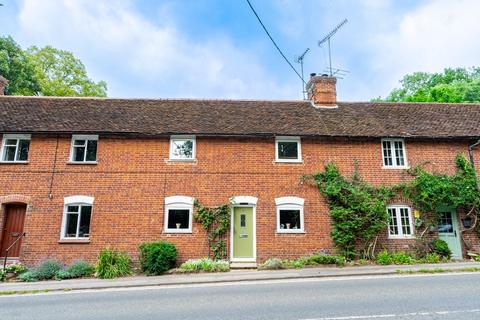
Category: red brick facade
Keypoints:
(133, 177)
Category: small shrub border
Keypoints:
(204, 265)
(52, 269)
(112, 264)
(157, 257)
(313, 260)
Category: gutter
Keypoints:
(470, 152)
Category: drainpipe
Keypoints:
(470, 152)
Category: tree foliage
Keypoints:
(45, 71)
(451, 85)
(17, 67)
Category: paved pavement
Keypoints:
(232, 276)
(414, 297)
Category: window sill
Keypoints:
(14, 162)
(394, 167)
(74, 241)
(290, 232)
(181, 161)
(401, 238)
(174, 231)
(288, 162)
(82, 162)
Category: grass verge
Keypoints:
(437, 270)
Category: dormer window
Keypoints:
(182, 148)
(15, 147)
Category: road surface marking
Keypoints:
(402, 315)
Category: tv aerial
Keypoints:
(326, 39)
(300, 59)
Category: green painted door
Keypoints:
(448, 232)
(243, 233)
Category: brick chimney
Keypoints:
(3, 85)
(322, 90)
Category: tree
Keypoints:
(451, 85)
(17, 68)
(45, 71)
(60, 73)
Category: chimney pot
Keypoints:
(322, 90)
(313, 74)
(3, 85)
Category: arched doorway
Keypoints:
(12, 229)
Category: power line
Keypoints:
(273, 41)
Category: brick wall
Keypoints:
(133, 176)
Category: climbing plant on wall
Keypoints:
(216, 221)
(357, 209)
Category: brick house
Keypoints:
(81, 174)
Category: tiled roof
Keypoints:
(237, 117)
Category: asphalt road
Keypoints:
(448, 296)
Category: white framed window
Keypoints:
(401, 222)
(290, 215)
(393, 153)
(77, 216)
(15, 147)
(182, 148)
(288, 149)
(84, 149)
(178, 214)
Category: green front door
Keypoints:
(243, 235)
(448, 232)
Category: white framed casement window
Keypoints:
(178, 214)
(77, 216)
(182, 148)
(84, 149)
(290, 215)
(394, 153)
(288, 149)
(401, 222)
(15, 148)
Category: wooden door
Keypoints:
(12, 229)
(243, 234)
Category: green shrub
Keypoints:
(3, 275)
(205, 265)
(477, 258)
(112, 263)
(16, 268)
(402, 257)
(441, 248)
(157, 257)
(324, 259)
(384, 258)
(431, 258)
(77, 269)
(28, 276)
(47, 270)
(271, 264)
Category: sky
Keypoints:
(217, 49)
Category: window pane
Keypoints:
(399, 153)
(182, 149)
(445, 223)
(73, 209)
(23, 147)
(405, 222)
(387, 153)
(243, 220)
(288, 150)
(92, 150)
(393, 221)
(290, 219)
(178, 218)
(11, 142)
(78, 153)
(9, 154)
(84, 230)
(71, 225)
(79, 143)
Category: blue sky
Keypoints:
(217, 49)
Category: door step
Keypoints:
(243, 265)
(10, 261)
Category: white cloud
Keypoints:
(139, 58)
(433, 36)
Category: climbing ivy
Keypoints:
(216, 221)
(429, 192)
(357, 209)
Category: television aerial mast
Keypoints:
(327, 40)
(300, 60)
